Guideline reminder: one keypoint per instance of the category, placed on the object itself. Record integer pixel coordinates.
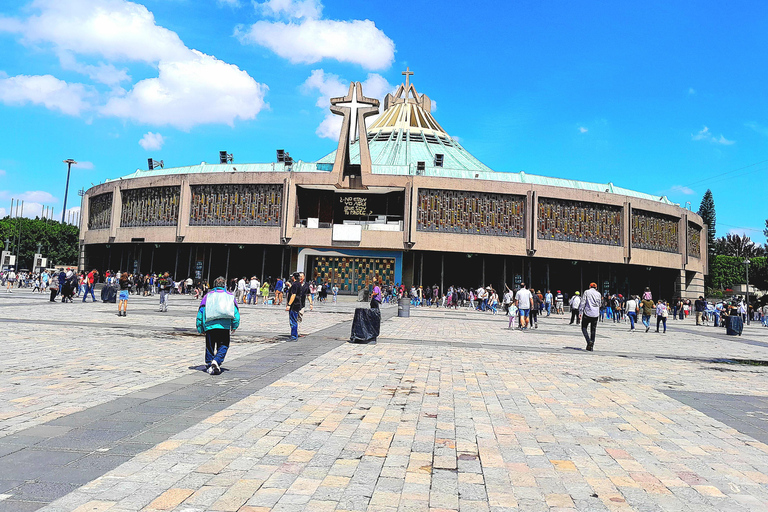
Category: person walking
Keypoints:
(293, 306)
(10, 279)
(217, 317)
(90, 279)
(700, 306)
(165, 283)
(648, 306)
(534, 310)
(265, 292)
(376, 296)
(53, 285)
(548, 302)
(632, 312)
(575, 302)
(279, 291)
(335, 291)
(559, 302)
(590, 312)
(661, 315)
(524, 303)
(240, 294)
(122, 301)
(253, 290)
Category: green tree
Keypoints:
(739, 246)
(707, 214)
(728, 271)
(59, 242)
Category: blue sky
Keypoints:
(662, 97)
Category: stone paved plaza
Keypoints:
(450, 410)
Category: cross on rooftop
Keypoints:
(407, 74)
(354, 105)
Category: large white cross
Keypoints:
(354, 106)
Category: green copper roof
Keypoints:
(405, 134)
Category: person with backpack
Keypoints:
(217, 316)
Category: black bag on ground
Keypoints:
(366, 325)
(733, 325)
(109, 294)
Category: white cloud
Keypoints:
(680, 189)
(37, 196)
(330, 86)
(152, 141)
(114, 29)
(434, 105)
(191, 88)
(47, 90)
(297, 9)
(705, 134)
(3, 213)
(230, 3)
(583, 129)
(311, 40)
(2, 173)
(102, 73)
(691, 90)
(84, 165)
(195, 91)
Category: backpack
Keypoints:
(219, 306)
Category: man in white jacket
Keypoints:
(575, 302)
(590, 312)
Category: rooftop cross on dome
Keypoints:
(407, 74)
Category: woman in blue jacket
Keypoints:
(217, 316)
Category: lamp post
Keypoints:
(747, 262)
(69, 163)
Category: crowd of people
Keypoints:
(522, 305)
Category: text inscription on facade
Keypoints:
(654, 231)
(235, 205)
(153, 206)
(575, 221)
(354, 205)
(694, 240)
(475, 213)
(100, 211)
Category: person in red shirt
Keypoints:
(90, 279)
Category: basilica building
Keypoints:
(398, 201)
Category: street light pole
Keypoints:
(747, 262)
(69, 163)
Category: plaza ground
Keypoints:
(448, 411)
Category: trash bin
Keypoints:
(733, 325)
(404, 307)
(366, 325)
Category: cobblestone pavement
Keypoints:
(66, 357)
(453, 412)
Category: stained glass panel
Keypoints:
(654, 231)
(100, 211)
(574, 221)
(235, 205)
(474, 213)
(158, 206)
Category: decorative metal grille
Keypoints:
(475, 213)
(354, 274)
(574, 221)
(654, 231)
(694, 240)
(100, 211)
(235, 205)
(150, 207)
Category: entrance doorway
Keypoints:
(352, 274)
